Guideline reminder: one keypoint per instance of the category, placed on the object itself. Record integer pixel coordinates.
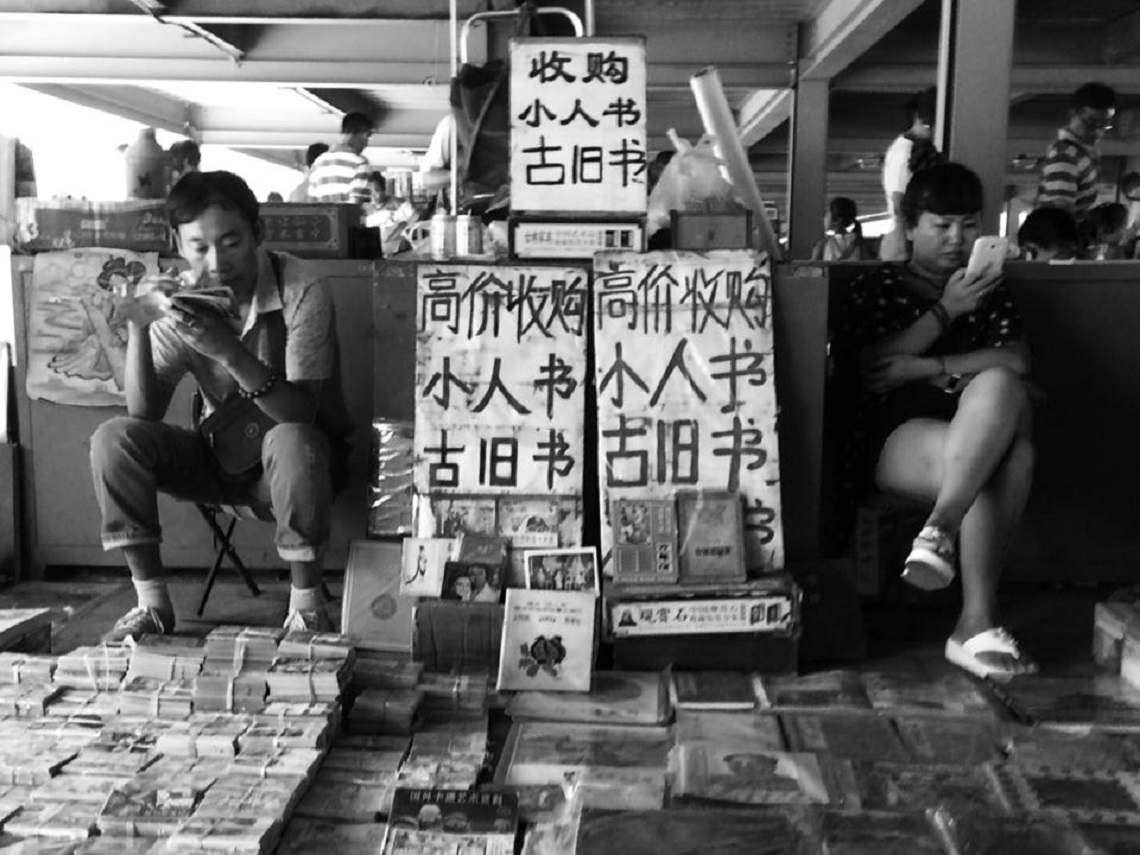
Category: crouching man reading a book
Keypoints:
(258, 333)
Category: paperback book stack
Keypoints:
(446, 754)
(32, 761)
(98, 668)
(384, 711)
(156, 697)
(464, 691)
(269, 735)
(375, 670)
(24, 668)
(25, 700)
(156, 803)
(316, 645)
(233, 677)
(357, 779)
(428, 820)
(167, 657)
(246, 835)
(298, 678)
(203, 735)
(240, 645)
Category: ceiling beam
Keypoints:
(259, 11)
(1122, 38)
(878, 145)
(842, 32)
(129, 102)
(1026, 80)
(763, 112)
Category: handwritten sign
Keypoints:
(686, 385)
(500, 374)
(578, 119)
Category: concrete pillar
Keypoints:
(977, 58)
(807, 185)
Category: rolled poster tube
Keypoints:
(717, 118)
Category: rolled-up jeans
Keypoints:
(132, 460)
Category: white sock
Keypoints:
(305, 599)
(154, 595)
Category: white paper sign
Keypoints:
(578, 125)
(686, 385)
(500, 374)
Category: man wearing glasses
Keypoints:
(1071, 166)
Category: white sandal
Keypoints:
(967, 654)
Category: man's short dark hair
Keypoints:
(195, 192)
(946, 189)
(1130, 183)
(186, 153)
(314, 151)
(377, 177)
(923, 104)
(356, 123)
(1049, 228)
(1096, 96)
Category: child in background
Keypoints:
(1048, 234)
(844, 238)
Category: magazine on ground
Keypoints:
(430, 820)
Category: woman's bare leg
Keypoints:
(990, 413)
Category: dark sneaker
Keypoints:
(139, 621)
(306, 620)
(930, 565)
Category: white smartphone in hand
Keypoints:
(987, 257)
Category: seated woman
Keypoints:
(944, 415)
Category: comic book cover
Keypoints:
(529, 522)
(548, 641)
(747, 775)
(689, 831)
(541, 752)
(645, 541)
(615, 697)
(422, 565)
(855, 736)
(442, 822)
(710, 533)
(747, 728)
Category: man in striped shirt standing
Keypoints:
(342, 173)
(1071, 166)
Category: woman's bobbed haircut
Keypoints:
(946, 189)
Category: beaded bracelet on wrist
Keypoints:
(261, 390)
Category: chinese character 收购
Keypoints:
(606, 67)
(550, 68)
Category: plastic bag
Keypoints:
(692, 182)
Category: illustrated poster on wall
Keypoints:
(686, 385)
(500, 373)
(578, 120)
(77, 334)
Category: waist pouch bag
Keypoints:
(234, 433)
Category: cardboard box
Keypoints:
(310, 230)
(453, 635)
(54, 224)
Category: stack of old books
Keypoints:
(156, 697)
(248, 835)
(203, 735)
(25, 700)
(23, 668)
(167, 657)
(316, 645)
(376, 670)
(384, 711)
(237, 647)
(233, 676)
(297, 678)
(98, 668)
(356, 780)
(455, 692)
